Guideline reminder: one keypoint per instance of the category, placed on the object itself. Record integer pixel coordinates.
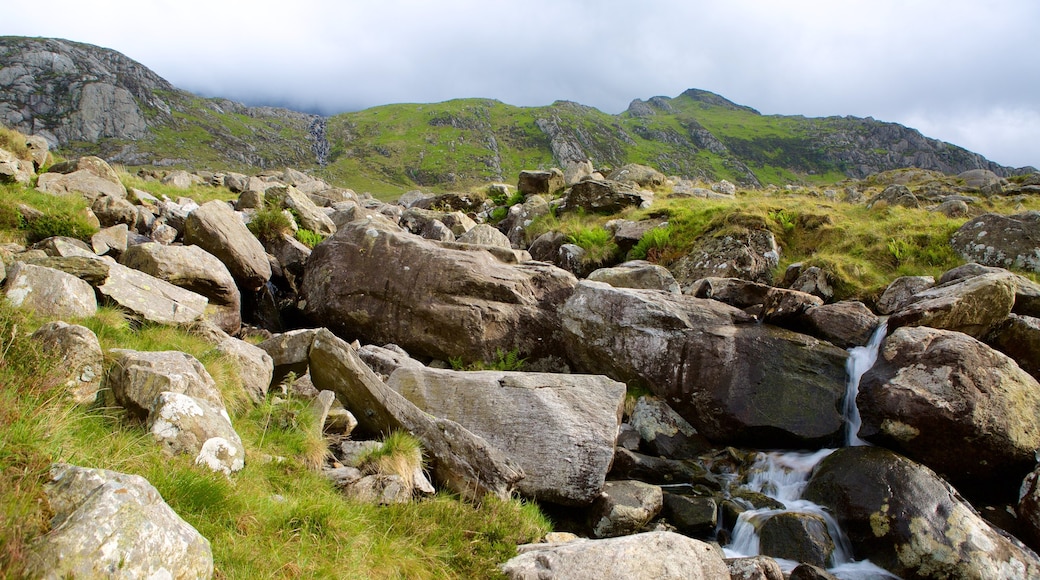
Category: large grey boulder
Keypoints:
(900, 293)
(151, 298)
(462, 461)
(637, 274)
(904, 518)
(382, 285)
(735, 381)
(648, 556)
(624, 507)
(216, 228)
(79, 355)
(520, 217)
(1002, 241)
(605, 196)
(559, 428)
(194, 269)
(290, 348)
(973, 305)
(84, 183)
(640, 175)
(752, 257)
(48, 292)
(112, 211)
(733, 291)
(484, 235)
(113, 525)
(184, 424)
(846, 324)
(954, 404)
(1019, 338)
(136, 378)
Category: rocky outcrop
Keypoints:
(110, 524)
(735, 381)
(559, 428)
(382, 285)
(649, 556)
(952, 403)
(752, 258)
(906, 519)
(1001, 241)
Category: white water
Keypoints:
(784, 475)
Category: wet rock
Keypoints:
(696, 517)
(801, 537)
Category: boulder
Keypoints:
(647, 556)
(1027, 292)
(184, 424)
(79, 354)
(979, 178)
(1028, 508)
(787, 308)
(845, 324)
(136, 378)
(895, 195)
(48, 292)
(89, 177)
(954, 404)
(624, 507)
(813, 280)
(904, 518)
(1019, 338)
(735, 381)
(108, 524)
(632, 465)
(752, 257)
(754, 568)
(697, 517)
(112, 241)
(15, 170)
(810, 572)
(1003, 241)
(733, 291)
(640, 175)
(575, 171)
(179, 179)
(255, 366)
(628, 233)
(484, 235)
(384, 360)
(194, 269)
(605, 197)
(900, 293)
(663, 431)
(464, 462)
(521, 216)
(637, 274)
(382, 285)
(291, 348)
(421, 222)
(151, 298)
(309, 215)
(972, 305)
(559, 428)
(111, 211)
(216, 228)
(802, 537)
(724, 187)
(540, 182)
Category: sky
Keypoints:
(966, 72)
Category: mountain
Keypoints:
(86, 99)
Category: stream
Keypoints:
(783, 476)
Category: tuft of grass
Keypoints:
(400, 454)
(14, 142)
(268, 223)
(61, 215)
(201, 193)
(309, 238)
(598, 244)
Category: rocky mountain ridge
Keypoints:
(91, 100)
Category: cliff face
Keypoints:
(89, 100)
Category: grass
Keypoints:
(201, 193)
(399, 454)
(275, 518)
(504, 361)
(62, 215)
(14, 142)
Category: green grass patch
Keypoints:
(62, 215)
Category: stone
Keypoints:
(48, 292)
(603, 196)
(900, 293)
(787, 308)
(216, 228)
(953, 208)
(109, 524)
(845, 324)
(521, 216)
(628, 233)
(640, 175)
(904, 518)
(290, 348)
(559, 428)
(637, 274)
(462, 461)
(647, 556)
(752, 257)
(184, 424)
(386, 360)
(724, 187)
(696, 517)
(813, 280)
(895, 195)
(136, 378)
(540, 182)
(732, 291)
(624, 507)
(381, 285)
(179, 179)
(1019, 338)
(954, 404)
(255, 366)
(420, 222)
(151, 298)
(754, 568)
(112, 211)
(309, 215)
(112, 241)
(575, 171)
(632, 465)
(972, 305)
(79, 355)
(763, 394)
(979, 178)
(1002, 241)
(196, 270)
(1028, 508)
(484, 235)
(379, 489)
(810, 572)
(802, 537)
(663, 431)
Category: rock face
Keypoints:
(973, 305)
(194, 269)
(637, 274)
(79, 353)
(753, 258)
(736, 382)
(382, 285)
(113, 525)
(949, 401)
(50, 293)
(559, 428)
(1001, 241)
(462, 461)
(903, 517)
(216, 228)
(649, 556)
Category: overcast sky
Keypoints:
(967, 72)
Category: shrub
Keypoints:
(269, 223)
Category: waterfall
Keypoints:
(783, 476)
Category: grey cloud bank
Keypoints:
(960, 71)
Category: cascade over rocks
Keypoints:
(736, 382)
(906, 519)
(382, 285)
(952, 403)
(559, 428)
